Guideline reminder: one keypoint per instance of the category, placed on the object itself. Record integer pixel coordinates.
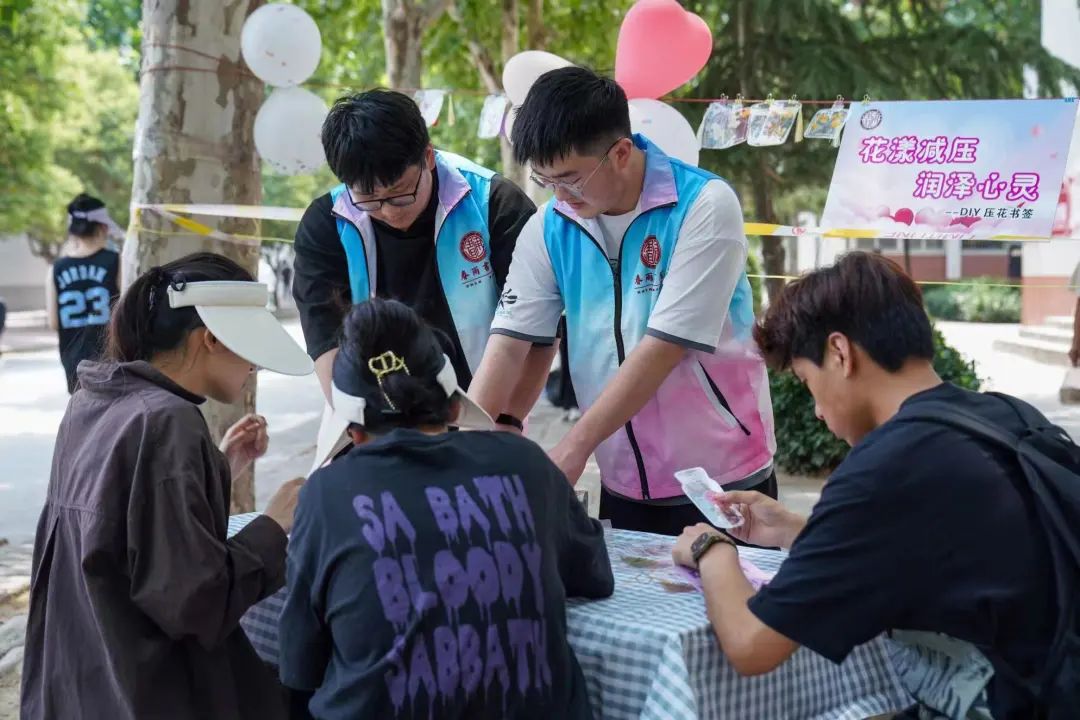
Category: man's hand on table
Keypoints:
(683, 550)
(765, 521)
(282, 506)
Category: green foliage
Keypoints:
(66, 124)
(982, 301)
(753, 267)
(941, 302)
(804, 445)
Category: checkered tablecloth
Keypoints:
(649, 652)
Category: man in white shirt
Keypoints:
(647, 257)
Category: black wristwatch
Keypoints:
(506, 419)
(705, 541)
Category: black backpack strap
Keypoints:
(941, 413)
(1060, 537)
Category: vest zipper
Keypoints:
(620, 347)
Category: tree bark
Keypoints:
(772, 248)
(404, 22)
(509, 47)
(194, 144)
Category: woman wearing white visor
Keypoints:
(429, 570)
(137, 594)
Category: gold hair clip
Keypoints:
(386, 364)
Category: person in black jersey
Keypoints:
(83, 285)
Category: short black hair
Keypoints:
(569, 110)
(865, 296)
(372, 138)
(81, 227)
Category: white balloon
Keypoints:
(525, 68)
(666, 127)
(281, 44)
(288, 131)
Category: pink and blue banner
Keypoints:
(974, 169)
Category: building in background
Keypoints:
(22, 275)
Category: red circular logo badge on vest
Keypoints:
(650, 252)
(472, 247)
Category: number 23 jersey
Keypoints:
(85, 290)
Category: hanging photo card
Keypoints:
(431, 103)
(973, 169)
(491, 117)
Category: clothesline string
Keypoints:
(754, 276)
(244, 72)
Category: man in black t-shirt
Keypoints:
(920, 528)
(83, 285)
(412, 223)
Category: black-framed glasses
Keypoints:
(577, 189)
(396, 201)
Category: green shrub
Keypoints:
(981, 301)
(941, 302)
(753, 267)
(804, 444)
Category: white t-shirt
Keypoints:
(708, 260)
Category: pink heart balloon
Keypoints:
(661, 46)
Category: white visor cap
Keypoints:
(236, 313)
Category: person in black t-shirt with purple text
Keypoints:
(921, 527)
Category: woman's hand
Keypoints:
(245, 442)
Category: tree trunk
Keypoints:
(772, 248)
(404, 22)
(194, 144)
(509, 48)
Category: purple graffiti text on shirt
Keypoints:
(420, 671)
(472, 665)
(397, 677)
(496, 660)
(519, 502)
(447, 662)
(423, 600)
(492, 491)
(372, 528)
(511, 573)
(390, 584)
(452, 583)
(483, 578)
(443, 510)
(543, 669)
(471, 514)
(378, 528)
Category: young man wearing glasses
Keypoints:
(647, 257)
(408, 222)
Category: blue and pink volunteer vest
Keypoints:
(462, 249)
(714, 409)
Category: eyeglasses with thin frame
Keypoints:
(577, 189)
(396, 201)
